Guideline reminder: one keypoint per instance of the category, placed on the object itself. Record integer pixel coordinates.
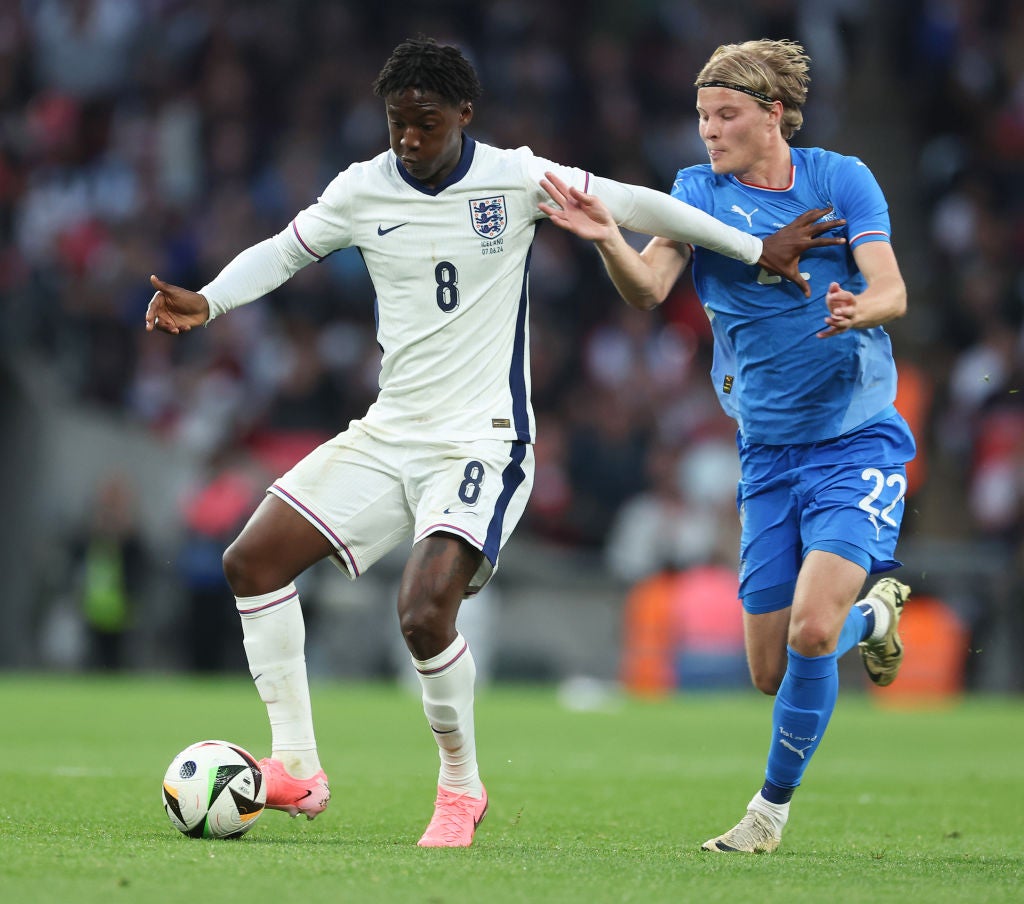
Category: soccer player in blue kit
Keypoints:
(444, 456)
(811, 383)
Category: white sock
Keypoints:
(274, 637)
(447, 681)
(777, 814)
(882, 618)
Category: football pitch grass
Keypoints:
(603, 805)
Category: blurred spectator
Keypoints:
(686, 518)
(605, 456)
(110, 562)
(675, 545)
(684, 629)
(84, 47)
(214, 511)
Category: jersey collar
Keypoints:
(792, 181)
(461, 168)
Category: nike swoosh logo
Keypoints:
(448, 511)
(382, 231)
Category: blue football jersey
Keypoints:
(772, 374)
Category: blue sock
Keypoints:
(858, 626)
(802, 709)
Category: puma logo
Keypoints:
(875, 525)
(799, 751)
(747, 216)
(765, 278)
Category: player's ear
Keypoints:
(466, 114)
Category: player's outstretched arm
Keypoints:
(173, 309)
(780, 252)
(643, 280)
(655, 213)
(577, 212)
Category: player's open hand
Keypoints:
(173, 309)
(782, 249)
(842, 311)
(577, 212)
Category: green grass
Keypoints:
(599, 806)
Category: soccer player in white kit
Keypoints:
(444, 455)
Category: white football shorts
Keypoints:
(367, 491)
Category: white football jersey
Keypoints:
(450, 267)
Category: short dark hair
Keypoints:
(423, 63)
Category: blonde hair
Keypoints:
(766, 70)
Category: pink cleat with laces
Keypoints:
(308, 796)
(456, 817)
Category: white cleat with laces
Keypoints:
(883, 657)
(753, 834)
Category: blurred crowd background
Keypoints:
(164, 136)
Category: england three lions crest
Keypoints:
(488, 214)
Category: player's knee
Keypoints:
(812, 638)
(423, 627)
(234, 564)
(427, 623)
(246, 570)
(766, 680)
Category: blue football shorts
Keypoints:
(845, 496)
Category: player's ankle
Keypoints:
(777, 814)
(298, 763)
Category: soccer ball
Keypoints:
(214, 789)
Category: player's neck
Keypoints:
(773, 170)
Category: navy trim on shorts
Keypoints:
(511, 479)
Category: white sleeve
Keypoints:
(315, 232)
(656, 213)
(255, 272)
(651, 212)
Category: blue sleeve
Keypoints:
(688, 187)
(857, 198)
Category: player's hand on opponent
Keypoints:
(173, 309)
(582, 214)
(842, 309)
(782, 249)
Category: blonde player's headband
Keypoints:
(734, 87)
